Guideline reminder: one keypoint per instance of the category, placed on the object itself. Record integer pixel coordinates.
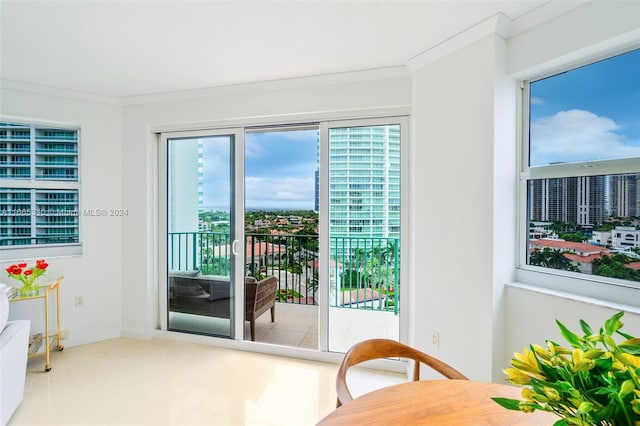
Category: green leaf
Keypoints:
(606, 412)
(586, 328)
(508, 403)
(562, 386)
(604, 363)
(625, 335)
(613, 324)
(573, 339)
(551, 373)
(631, 346)
(561, 422)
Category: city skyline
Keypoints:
(585, 201)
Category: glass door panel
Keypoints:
(364, 233)
(200, 291)
(281, 233)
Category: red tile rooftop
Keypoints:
(583, 259)
(259, 248)
(316, 264)
(582, 249)
(633, 265)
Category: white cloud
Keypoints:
(577, 135)
(283, 192)
(253, 148)
(535, 100)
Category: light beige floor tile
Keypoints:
(284, 337)
(157, 382)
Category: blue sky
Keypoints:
(279, 170)
(589, 113)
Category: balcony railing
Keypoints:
(364, 272)
(44, 138)
(57, 162)
(15, 137)
(57, 149)
(26, 240)
(13, 150)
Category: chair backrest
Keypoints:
(259, 295)
(385, 348)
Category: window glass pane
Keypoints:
(586, 114)
(45, 212)
(587, 224)
(364, 233)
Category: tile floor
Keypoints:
(296, 326)
(160, 382)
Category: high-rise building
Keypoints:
(364, 181)
(549, 200)
(590, 202)
(579, 200)
(184, 181)
(624, 195)
(46, 210)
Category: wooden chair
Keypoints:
(385, 348)
(260, 296)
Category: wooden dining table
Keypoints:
(436, 402)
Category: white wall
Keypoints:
(453, 150)
(581, 35)
(464, 149)
(96, 275)
(532, 313)
(301, 99)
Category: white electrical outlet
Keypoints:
(79, 301)
(435, 339)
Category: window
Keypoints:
(39, 189)
(580, 188)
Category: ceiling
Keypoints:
(127, 48)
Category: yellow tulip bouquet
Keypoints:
(595, 382)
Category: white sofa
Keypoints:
(14, 342)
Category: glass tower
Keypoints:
(364, 181)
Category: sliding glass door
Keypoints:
(364, 217)
(281, 229)
(200, 198)
(315, 207)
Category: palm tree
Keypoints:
(614, 266)
(550, 258)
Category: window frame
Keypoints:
(52, 250)
(324, 120)
(591, 288)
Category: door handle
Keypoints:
(234, 247)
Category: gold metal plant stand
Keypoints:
(50, 339)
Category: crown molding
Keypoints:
(289, 83)
(498, 24)
(20, 86)
(543, 14)
(264, 86)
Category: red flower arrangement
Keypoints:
(28, 276)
